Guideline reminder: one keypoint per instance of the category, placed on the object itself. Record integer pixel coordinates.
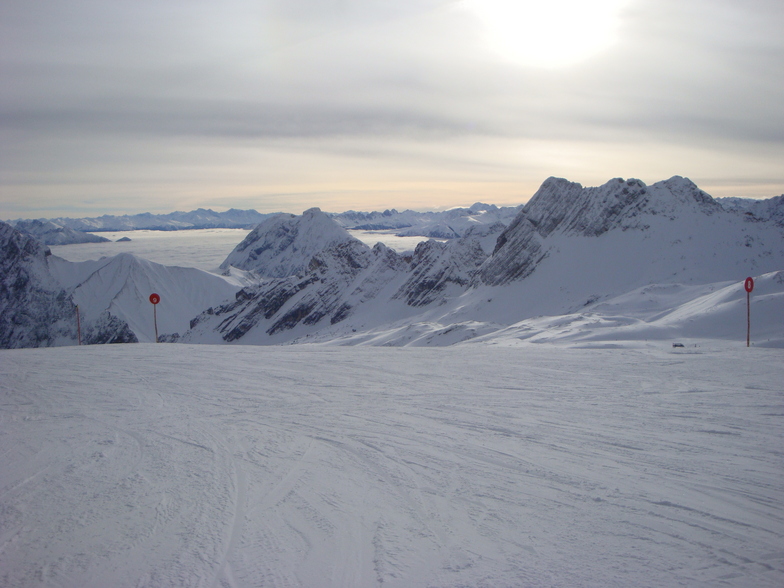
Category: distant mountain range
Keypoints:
(574, 264)
(51, 233)
(173, 221)
(447, 224)
(769, 209)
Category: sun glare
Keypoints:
(548, 34)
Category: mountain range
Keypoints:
(447, 224)
(173, 221)
(574, 264)
(569, 248)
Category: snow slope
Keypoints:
(476, 465)
(663, 312)
(123, 283)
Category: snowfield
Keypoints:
(512, 464)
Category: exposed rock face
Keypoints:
(284, 244)
(343, 277)
(517, 251)
(590, 212)
(566, 208)
(574, 210)
(322, 290)
(437, 268)
(331, 272)
(35, 311)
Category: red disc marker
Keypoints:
(155, 299)
(749, 285)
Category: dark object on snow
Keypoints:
(677, 344)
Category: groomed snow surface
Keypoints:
(512, 464)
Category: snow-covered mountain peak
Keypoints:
(678, 195)
(35, 309)
(479, 207)
(672, 213)
(122, 284)
(570, 208)
(284, 244)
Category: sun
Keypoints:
(548, 33)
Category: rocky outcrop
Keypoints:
(322, 291)
(342, 278)
(517, 252)
(438, 268)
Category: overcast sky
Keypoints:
(161, 105)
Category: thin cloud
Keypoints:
(164, 83)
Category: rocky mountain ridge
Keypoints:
(587, 244)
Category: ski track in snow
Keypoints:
(476, 465)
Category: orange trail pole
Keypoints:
(748, 317)
(155, 319)
(748, 285)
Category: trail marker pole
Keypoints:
(78, 326)
(749, 286)
(155, 299)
